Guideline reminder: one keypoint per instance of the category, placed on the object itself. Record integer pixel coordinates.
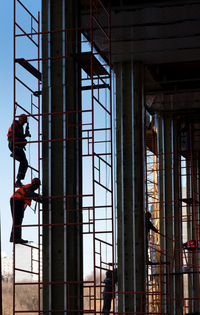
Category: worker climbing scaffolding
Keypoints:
(19, 201)
(17, 143)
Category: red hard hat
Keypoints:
(36, 181)
(23, 118)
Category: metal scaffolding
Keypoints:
(96, 142)
(172, 284)
(173, 191)
(27, 80)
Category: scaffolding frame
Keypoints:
(180, 162)
(170, 260)
(28, 104)
(96, 78)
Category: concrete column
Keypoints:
(169, 221)
(120, 199)
(73, 162)
(162, 209)
(166, 184)
(178, 218)
(192, 231)
(195, 227)
(130, 185)
(189, 231)
(62, 244)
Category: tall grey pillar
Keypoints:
(192, 230)
(130, 185)
(169, 213)
(62, 174)
(189, 231)
(195, 228)
(161, 183)
(166, 184)
(178, 218)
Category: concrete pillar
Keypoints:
(166, 195)
(130, 185)
(162, 210)
(178, 218)
(195, 227)
(62, 244)
(169, 215)
(189, 231)
(192, 230)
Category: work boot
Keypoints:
(18, 241)
(21, 241)
(18, 183)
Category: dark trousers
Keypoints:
(18, 217)
(107, 298)
(20, 156)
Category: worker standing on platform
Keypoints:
(18, 203)
(149, 226)
(18, 145)
(109, 290)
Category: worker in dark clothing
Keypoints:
(149, 226)
(185, 136)
(109, 290)
(18, 203)
(18, 145)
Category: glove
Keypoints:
(27, 133)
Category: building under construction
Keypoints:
(112, 93)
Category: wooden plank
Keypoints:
(26, 65)
(85, 60)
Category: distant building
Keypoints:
(6, 266)
(26, 263)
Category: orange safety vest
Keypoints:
(21, 194)
(18, 131)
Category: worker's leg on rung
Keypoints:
(20, 156)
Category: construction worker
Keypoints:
(18, 203)
(185, 135)
(18, 145)
(149, 226)
(109, 290)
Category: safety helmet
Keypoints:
(36, 181)
(23, 118)
(109, 274)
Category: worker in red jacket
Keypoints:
(18, 144)
(18, 203)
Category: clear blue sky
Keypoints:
(6, 114)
